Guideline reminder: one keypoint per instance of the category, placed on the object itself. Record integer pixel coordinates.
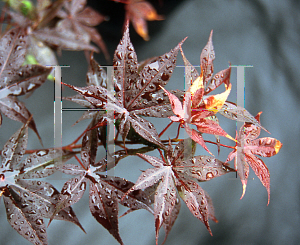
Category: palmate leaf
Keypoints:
(105, 194)
(197, 109)
(80, 20)
(60, 37)
(210, 81)
(165, 194)
(27, 202)
(178, 171)
(186, 114)
(203, 84)
(16, 79)
(247, 146)
(105, 191)
(137, 92)
(138, 12)
(135, 89)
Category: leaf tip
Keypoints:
(278, 146)
(244, 189)
(210, 35)
(229, 137)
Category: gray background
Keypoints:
(262, 33)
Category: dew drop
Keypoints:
(130, 56)
(165, 77)
(209, 175)
(32, 211)
(41, 153)
(82, 186)
(119, 55)
(110, 203)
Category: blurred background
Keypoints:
(261, 33)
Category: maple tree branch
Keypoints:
(178, 131)
(81, 164)
(162, 132)
(208, 141)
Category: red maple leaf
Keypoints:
(179, 171)
(196, 109)
(247, 147)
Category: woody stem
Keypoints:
(162, 132)
(207, 141)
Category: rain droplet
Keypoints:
(119, 55)
(110, 203)
(165, 77)
(32, 211)
(130, 56)
(209, 175)
(41, 153)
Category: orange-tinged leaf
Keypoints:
(278, 146)
(197, 84)
(248, 146)
(138, 12)
(215, 102)
(265, 147)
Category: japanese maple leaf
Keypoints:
(81, 20)
(248, 145)
(105, 192)
(201, 85)
(137, 91)
(15, 79)
(185, 116)
(28, 201)
(237, 113)
(179, 171)
(196, 109)
(138, 12)
(58, 38)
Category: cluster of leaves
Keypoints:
(137, 91)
